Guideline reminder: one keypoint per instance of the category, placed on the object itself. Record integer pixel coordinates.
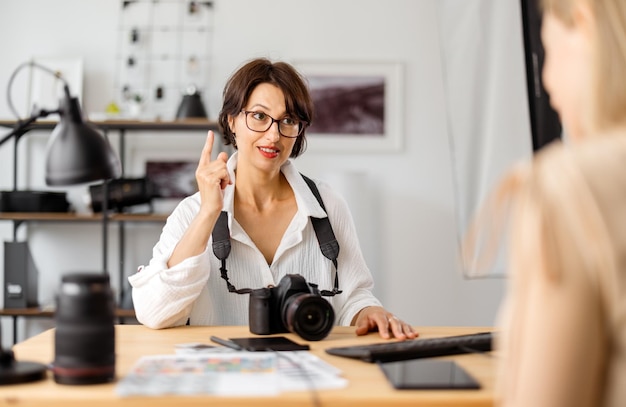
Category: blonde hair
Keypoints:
(608, 89)
(555, 223)
(570, 231)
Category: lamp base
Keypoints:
(14, 372)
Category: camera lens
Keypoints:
(308, 315)
(84, 339)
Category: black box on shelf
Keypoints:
(122, 192)
(33, 201)
(20, 276)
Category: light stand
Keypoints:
(76, 153)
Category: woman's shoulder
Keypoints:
(584, 177)
(598, 160)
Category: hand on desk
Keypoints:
(377, 318)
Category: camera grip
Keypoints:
(259, 311)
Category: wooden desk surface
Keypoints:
(367, 384)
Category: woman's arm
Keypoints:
(163, 295)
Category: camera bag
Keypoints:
(323, 230)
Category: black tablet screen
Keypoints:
(428, 374)
(278, 343)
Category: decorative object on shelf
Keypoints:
(135, 106)
(112, 110)
(163, 47)
(191, 107)
(123, 192)
(76, 154)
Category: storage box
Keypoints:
(20, 276)
(33, 201)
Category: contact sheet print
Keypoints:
(207, 370)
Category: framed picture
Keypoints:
(358, 106)
(171, 172)
(172, 179)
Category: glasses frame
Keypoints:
(301, 124)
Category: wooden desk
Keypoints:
(367, 384)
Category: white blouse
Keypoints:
(193, 289)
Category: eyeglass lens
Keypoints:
(259, 121)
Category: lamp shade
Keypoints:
(76, 152)
(191, 106)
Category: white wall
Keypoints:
(408, 221)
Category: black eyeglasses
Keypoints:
(261, 122)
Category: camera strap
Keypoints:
(323, 230)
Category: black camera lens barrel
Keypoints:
(84, 339)
(308, 315)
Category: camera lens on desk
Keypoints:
(308, 315)
(84, 341)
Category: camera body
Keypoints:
(292, 306)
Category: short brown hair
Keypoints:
(255, 72)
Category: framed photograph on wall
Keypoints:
(171, 172)
(358, 106)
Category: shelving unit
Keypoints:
(122, 127)
(72, 217)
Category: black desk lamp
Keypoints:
(76, 153)
(191, 107)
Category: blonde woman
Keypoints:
(563, 323)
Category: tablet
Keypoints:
(428, 374)
(277, 343)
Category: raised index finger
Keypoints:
(205, 156)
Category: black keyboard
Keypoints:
(416, 348)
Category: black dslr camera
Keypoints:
(292, 306)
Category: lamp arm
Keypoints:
(32, 64)
(21, 126)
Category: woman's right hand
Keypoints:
(212, 177)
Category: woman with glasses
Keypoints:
(266, 110)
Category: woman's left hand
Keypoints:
(377, 318)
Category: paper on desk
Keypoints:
(297, 370)
(224, 374)
(302, 370)
(222, 371)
